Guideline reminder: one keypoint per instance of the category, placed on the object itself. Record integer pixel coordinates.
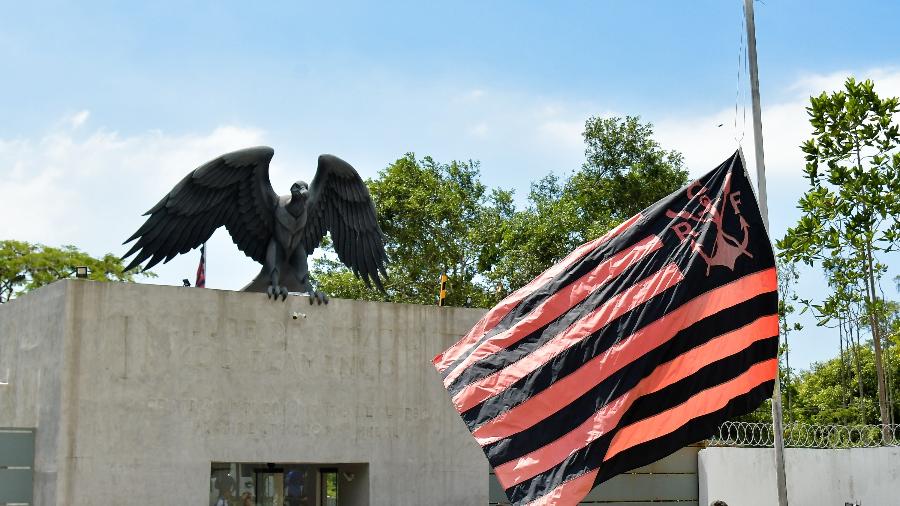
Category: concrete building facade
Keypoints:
(142, 394)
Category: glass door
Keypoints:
(328, 485)
(269, 486)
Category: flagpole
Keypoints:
(764, 211)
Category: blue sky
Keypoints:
(105, 105)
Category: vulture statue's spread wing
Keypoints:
(232, 190)
(340, 203)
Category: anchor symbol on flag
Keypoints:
(725, 248)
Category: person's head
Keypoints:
(225, 485)
(718, 503)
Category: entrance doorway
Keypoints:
(287, 484)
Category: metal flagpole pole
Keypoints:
(764, 211)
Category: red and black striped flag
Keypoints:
(633, 346)
(201, 269)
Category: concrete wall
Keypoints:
(135, 389)
(746, 476)
(32, 372)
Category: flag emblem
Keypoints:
(726, 248)
(633, 346)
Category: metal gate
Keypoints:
(16, 465)
(671, 481)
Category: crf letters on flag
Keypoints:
(633, 346)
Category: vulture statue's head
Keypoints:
(299, 190)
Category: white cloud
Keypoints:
(520, 136)
(79, 118)
(563, 133)
(887, 81)
(480, 130)
(785, 126)
(472, 95)
(90, 190)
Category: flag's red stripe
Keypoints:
(573, 491)
(569, 493)
(558, 303)
(606, 418)
(613, 308)
(701, 404)
(567, 389)
(490, 320)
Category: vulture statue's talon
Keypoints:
(275, 291)
(318, 297)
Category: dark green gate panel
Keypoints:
(16, 465)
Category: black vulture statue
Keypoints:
(277, 231)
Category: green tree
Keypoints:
(843, 308)
(787, 298)
(25, 266)
(820, 398)
(435, 219)
(440, 216)
(625, 171)
(851, 210)
(532, 239)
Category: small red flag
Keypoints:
(201, 269)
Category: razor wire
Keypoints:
(803, 435)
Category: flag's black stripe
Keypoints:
(681, 391)
(591, 457)
(574, 414)
(698, 429)
(564, 421)
(537, 338)
(659, 225)
(570, 360)
(691, 266)
(626, 240)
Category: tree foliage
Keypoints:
(823, 394)
(625, 171)
(26, 266)
(851, 209)
(439, 216)
(435, 218)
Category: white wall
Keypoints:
(746, 476)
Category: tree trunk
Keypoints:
(787, 373)
(890, 377)
(843, 369)
(889, 380)
(854, 345)
(875, 325)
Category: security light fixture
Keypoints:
(81, 272)
(186, 282)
